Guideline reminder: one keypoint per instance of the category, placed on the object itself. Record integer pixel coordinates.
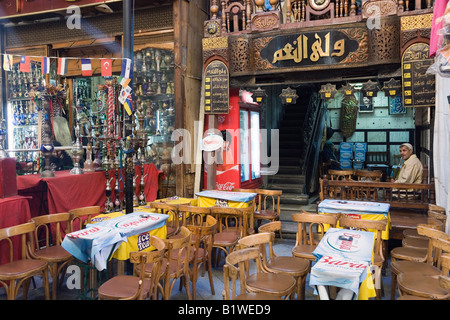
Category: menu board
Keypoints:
(216, 88)
(418, 86)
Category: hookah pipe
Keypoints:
(108, 203)
(117, 202)
(142, 201)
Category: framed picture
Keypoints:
(396, 105)
(365, 104)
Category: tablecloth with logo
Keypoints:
(218, 198)
(343, 260)
(115, 235)
(367, 210)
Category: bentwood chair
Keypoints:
(376, 226)
(259, 282)
(413, 283)
(173, 222)
(127, 287)
(202, 241)
(427, 266)
(80, 217)
(432, 214)
(339, 175)
(17, 273)
(193, 215)
(231, 226)
(268, 206)
(271, 262)
(178, 258)
(421, 242)
(368, 175)
(51, 251)
(310, 231)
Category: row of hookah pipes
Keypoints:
(115, 148)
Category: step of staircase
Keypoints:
(289, 170)
(288, 179)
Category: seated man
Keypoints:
(327, 155)
(412, 169)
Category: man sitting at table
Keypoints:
(412, 169)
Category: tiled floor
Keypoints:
(282, 247)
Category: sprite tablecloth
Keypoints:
(343, 260)
(218, 198)
(367, 210)
(112, 233)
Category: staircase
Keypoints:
(289, 177)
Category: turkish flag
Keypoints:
(106, 67)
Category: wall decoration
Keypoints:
(365, 103)
(396, 105)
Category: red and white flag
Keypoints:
(63, 64)
(106, 67)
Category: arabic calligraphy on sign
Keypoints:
(309, 48)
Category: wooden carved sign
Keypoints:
(310, 49)
(392, 87)
(216, 88)
(418, 86)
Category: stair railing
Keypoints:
(312, 135)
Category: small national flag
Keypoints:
(63, 65)
(128, 105)
(25, 64)
(7, 62)
(86, 68)
(45, 65)
(125, 75)
(106, 67)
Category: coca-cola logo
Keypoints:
(227, 186)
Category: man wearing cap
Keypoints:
(412, 169)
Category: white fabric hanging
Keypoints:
(441, 145)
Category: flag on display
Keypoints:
(7, 62)
(128, 105)
(125, 75)
(25, 64)
(45, 65)
(86, 67)
(63, 65)
(106, 67)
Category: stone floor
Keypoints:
(282, 247)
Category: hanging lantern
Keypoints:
(328, 91)
(259, 95)
(392, 87)
(349, 90)
(288, 96)
(369, 89)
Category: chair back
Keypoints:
(230, 220)
(376, 226)
(237, 264)
(436, 208)
(311, 226)
(80, 217)
(173, 222)
(341, 174)
(260, 241)
(54, 227)
(178, 251)
(269, 199)
(368, 175)
(22, 230)
(193, 215)
(153, 258)
(444, 278)
(434, 251)
(437, 216)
